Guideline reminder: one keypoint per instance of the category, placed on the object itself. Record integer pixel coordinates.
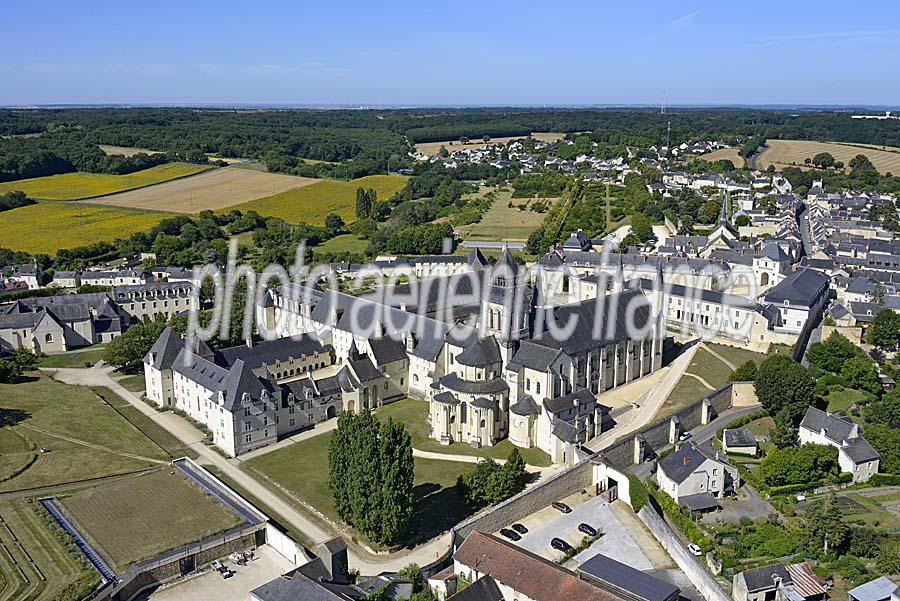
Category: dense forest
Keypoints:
(358, 142)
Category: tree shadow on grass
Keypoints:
(11, 417)
(435, 510)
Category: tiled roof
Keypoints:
(525, 572)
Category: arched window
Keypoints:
(48, 337)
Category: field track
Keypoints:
(217, 189)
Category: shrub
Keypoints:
(681, 519)
(637, 491)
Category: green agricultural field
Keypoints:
(311, 204)
(67, 575)
(345, 243)
(302, 470)
(78, 186)
(137, 518)
(47, 227)
(85, 437)
(414, 414)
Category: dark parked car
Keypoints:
(562, 507)
(587, 529)
(510, 534)
(520, 528)
(560, 544)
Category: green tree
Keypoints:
(831, 353)
(884, 331)
(799, 465)
(742, 220)
(888, 559)
(782, 382)
(371, 475)
(862, 373)
(745, 372)
(129, 349)
(334, 223)
(825, 525)
(886, 441)
(823, 160)
(885, 410)
(641, 227)
(396, 481)
(364, 202)
(784, 434)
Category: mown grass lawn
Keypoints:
(414, 414)
(841, 399)
(737, 356)
(709, 367)
(302, 469)
(78, 358)
(77, 186)
(42, 410)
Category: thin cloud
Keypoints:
(685, 20)
(860, 34)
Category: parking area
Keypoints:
(616, 541)
(746, 502)
(210, 586)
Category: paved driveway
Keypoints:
(615, 542)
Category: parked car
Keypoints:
(587, 529)
(695, 550)
(684, 436)
(510, 534)
(561, 507)
(520, 528)
(560, 544)
(801, 498)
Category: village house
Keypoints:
(694, 477)
(855, 455)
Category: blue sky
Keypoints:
(348, 52)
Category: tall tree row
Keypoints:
(371, 475)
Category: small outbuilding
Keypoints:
(739, 441)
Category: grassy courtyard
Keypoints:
(302, 470)
(414, 415)
(137, 518)
(77, 358)
(84, 436)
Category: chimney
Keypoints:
(685, 460)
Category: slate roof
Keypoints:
(620, 578)
(365, 370)
(387, 350)
(802, 287)
(478, 352)
(535, 356)
(483, 589)
(457, 384)
(292, 586)
(525, 406)
(682, 463)
(739, 437)
(699, 502)
(762, 578)
(527, 573)
(837, 429)
(583, 396)
(860, 451)
(270, 351)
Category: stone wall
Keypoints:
(705, 584)
(567, 482)
(155, 573)
(656, 436)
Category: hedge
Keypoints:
(637, 491)
(884, 480)
(741, 421)
(682, 520)
(787, 489)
